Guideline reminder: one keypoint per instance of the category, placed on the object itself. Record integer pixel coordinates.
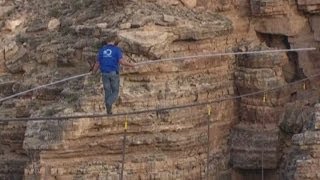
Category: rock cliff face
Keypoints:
(306, 144)
(257, 131)
(43, 41)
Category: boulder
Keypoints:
(125, 26)
(151, 42)
(169, 19)
(15, 63)
(53, 24)
(11, 25)
(169, 2)
(13, 57)
(189, 3)
(140, 19)
(102, 25)
(288, 26)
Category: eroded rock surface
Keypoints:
(257, 132)
(45, 41)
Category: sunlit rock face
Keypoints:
(45, 41)
(258, 132)
(312, 6)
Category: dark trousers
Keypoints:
(111, 83)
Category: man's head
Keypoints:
(104, 42)
(114, 41)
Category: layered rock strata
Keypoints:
(166, 144)
(169, 144)
(304, 153)
(311, 6)
(256, 137)
(43, 41)
(13, 158)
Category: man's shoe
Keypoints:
(109, 110)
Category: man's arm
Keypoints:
(124, 62)
(95, 66)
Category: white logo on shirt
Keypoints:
(107, 53)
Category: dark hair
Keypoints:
(103, 43)
(115, 41)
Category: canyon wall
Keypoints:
(44, 41)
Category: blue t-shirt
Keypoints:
(109, 57)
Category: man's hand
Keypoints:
(130, 68)
(91, 70)
(95, 68)
(132, 65)
(126, 63)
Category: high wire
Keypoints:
(158, 109)
(228, 54)
(163, 60)
(42, 86)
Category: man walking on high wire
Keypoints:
(108, 59)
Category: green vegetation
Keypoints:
(55, 12)
(51, 112)
(71, 98)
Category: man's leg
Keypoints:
(107, 90)
(115, 81)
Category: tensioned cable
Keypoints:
(159, 109)
(162, 60)
(4, 83)
(227, 54)
(45, 85)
